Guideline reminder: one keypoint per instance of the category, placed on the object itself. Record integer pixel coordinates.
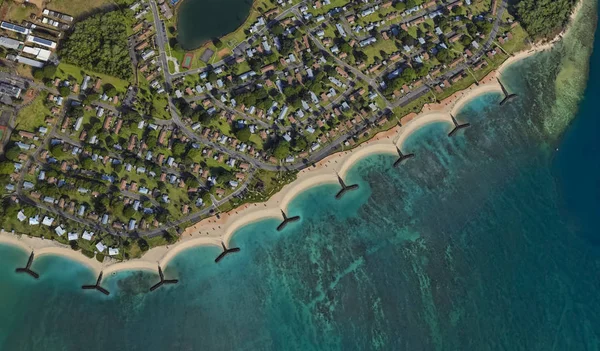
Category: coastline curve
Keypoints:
(223, 229)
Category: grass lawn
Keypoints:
(17, 13)
(25, 71)
(414, 106)
(481, 7)
(257, 141)
(32, 116)
(377, 16)
(221, 125)
(518, 42)
(412, 31)
(325, 8)
(160, 104)
(263, 185)
(230, 40)
(66, 70)
(77, 8)
(372, 51)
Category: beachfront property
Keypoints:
(100, 247)
(299, 87)
(59, 230)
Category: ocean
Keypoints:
(485, 241)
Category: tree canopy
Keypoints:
(282, 150)
(541, 18)
(99, 43)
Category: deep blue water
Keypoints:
(576, 164)
(486, 241)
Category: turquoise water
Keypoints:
(486, 241)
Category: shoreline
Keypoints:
(213, 231)
(207, 42)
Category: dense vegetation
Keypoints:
(541, 18)
(99, 43)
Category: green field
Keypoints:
(77, 8)
(32, 116)
(68, 71)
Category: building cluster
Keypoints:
(33, 42)
(321, 73)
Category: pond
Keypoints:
(202, 20)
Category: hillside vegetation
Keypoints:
(99, 43)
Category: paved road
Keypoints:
(25, 199)
(161, 41)
(371, 81)
(222, 106)
(415, 94)
(216, 146)
(197, 216)
(314, 157)
(244, 43)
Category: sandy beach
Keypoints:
(213, 231)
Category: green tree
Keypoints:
(282, 150)
(128, 212)
(170, 238)
(99, 43)
(90, 98)
(7, 167)
(57, 151)
(193, 154)
(409, 74)
(38, 74)
(49, 71)
(218, 43)
(459, 10)
(12, 153)
(444, 56)
(64, 91)
(277, 29)
(243, 134)
(109, 90)
(541, 18)
(178, 149)
(192, 182)
(400, 6)
(87, 163)
(300, 143)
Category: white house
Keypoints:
(59, 230)
(34, 220)
(100, 247)
(47, 221)
(87, 235)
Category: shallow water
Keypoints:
(484, 241)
